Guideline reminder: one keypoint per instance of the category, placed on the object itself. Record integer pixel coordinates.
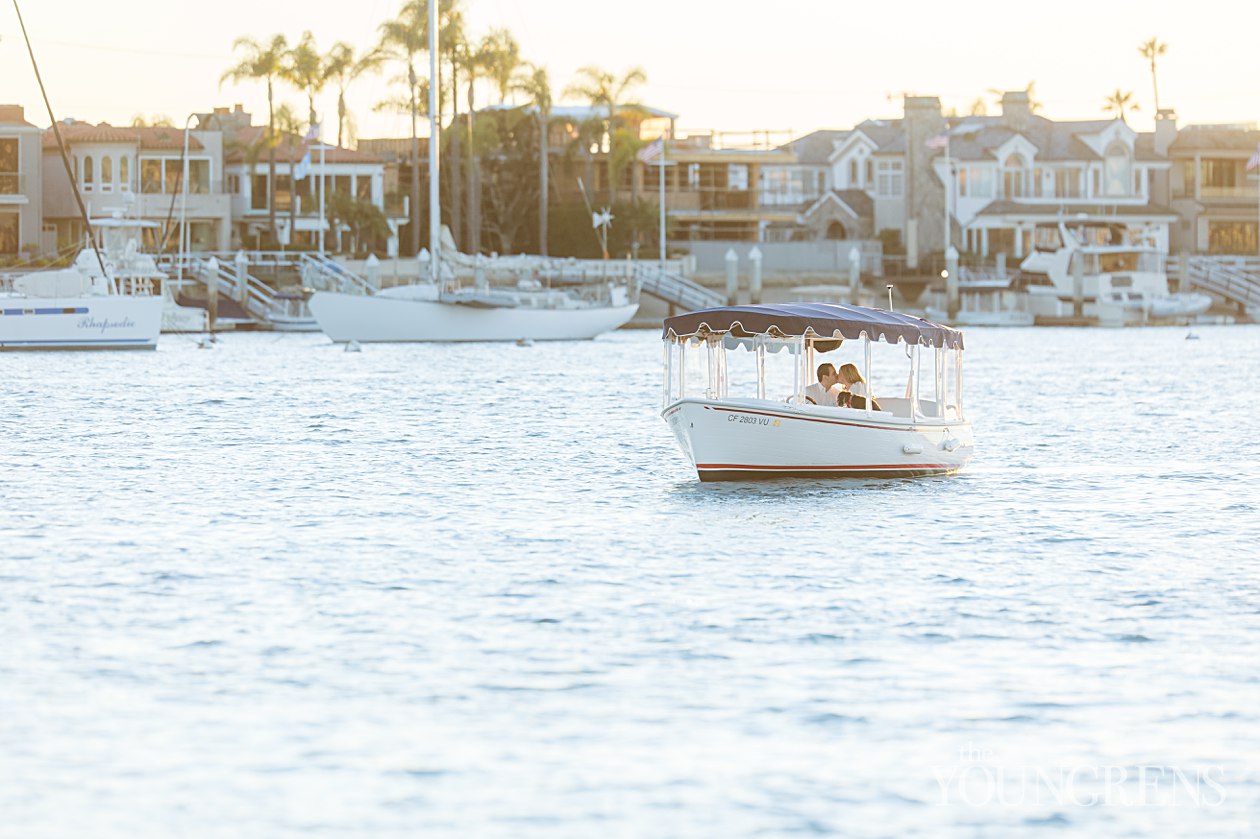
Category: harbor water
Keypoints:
(274, 588)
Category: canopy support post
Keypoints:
(866, 372)
(667, 386)
(958, 382)
(760, 344)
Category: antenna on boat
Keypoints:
(65, 159)
(890, 288)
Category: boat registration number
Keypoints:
(743, 419)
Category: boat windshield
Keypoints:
(1111, 262)
(1100, 233)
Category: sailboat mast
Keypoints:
(61, 145)
(435, 213)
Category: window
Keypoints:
(853, 173)
(1015, 177)
(363, 187)
(150, 176)
(889, 181)
(10, 182)
(737, 176)
(975, 181)
(107, 173)
(258, 193)
(124, 173)
(1116, 164)
(9, 233)
(870, 174)
(87, 173)
(1232, 237)
(1067, 183)
(234, 184)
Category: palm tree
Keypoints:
(1031, 92)
(303, 68)
(1120, 103)
(290, 128)
(1152, 50)
(262, 62)
(402, 39)
(609, 93)
(341, 67)
(501, 56)
(533, 83)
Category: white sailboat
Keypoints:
(76, 308)
(438, 310)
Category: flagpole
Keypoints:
(322, 187)
(949, 180)
(662, 179)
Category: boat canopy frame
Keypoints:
(763, 329)
(825, 323)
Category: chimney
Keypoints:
(238, 108)
(1165, 130)
(1016, 110)
(12, 113)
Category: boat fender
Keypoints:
(950, 443)
(912, 448)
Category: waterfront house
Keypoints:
(138, 172)
(1212, 189)
(21, 187)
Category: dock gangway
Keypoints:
(676, 289)
(1236, 279)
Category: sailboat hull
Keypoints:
(378, 319)
(119, 322)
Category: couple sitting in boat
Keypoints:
(843, 388)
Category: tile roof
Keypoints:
(1003, 207)
(238, 143)
(148, 137)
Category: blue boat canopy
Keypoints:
(814, 320)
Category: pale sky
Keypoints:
(730, 65)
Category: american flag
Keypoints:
(652, 150)
(940, 141)
(1255, 160)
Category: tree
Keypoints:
(496, 57)
(342, 67)
(368, 225)
(534, 84)
(1120, 103)
(608, 93)
(262, 61)
(303, 67)
(401, 40)
(290, 127)
(155, 121)
(1152, 50)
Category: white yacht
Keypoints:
(729, 437)
(985, 301)
(1122, 282)
(120, 239)
(74, 309)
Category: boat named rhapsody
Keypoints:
(750, 437)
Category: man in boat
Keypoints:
(821, 393)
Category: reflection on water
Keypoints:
(474, 590)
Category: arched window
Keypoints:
(107, 173)
(87, 172)
(836, 230)
(1116, 165)
(124, 173)
(1015, 176)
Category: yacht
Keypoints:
(119, 239)
(984, 301)
(1121, 282)
(77, 309)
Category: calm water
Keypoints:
(275, 588)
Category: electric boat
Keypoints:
(728, 436)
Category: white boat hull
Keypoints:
(376, 318)
(120, 322)
(748, 439)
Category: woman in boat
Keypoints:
(854, 390)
